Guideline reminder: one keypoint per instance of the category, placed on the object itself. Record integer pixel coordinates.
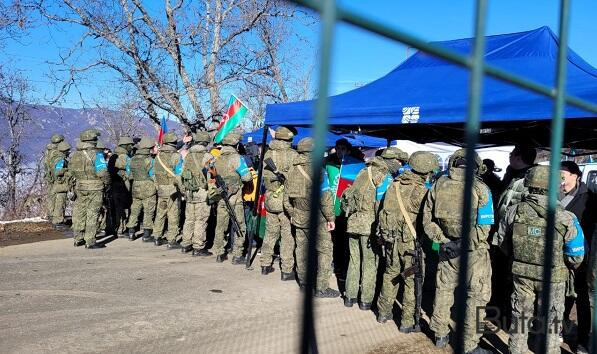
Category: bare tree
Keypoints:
(121, 120)
(14, 117)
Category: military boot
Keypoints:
(329, 293)
(95, 246)
(442, 342)
(202, 253)
(383, 318)
(479, 350)
(131, 234)
(147, 235)
(287, 276)
(365, 306)
(410, 329)
(186, 249)
(158, 241)
(266, 270)
(79, 243)
(348, 302)
(238, 260)
(221, 258)
(172, 245)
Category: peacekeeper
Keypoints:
(234, 171)
(277, 226)
(106, 217)
(297, 204)
(90, 172)
(522, 232)
(194, 181)
(143, 190)
(442, 221)
(400, 228)
(361, 203)
(49, 155)
(60, 185)
(119, 166)
(167, 169)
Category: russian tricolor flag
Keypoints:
(163, 130)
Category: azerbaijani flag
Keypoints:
(234, 114)
(262, 216)
(163, 130)
(341, 177)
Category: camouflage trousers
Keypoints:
(56, 206)
(146, 206)
(277, 227)
(223, 224)
(194, 231)
(478, 285)
(324, 249)
(86, 211)
(121, 205)
(362, 267)
(397, 261)
(523, 305)
(168, 209)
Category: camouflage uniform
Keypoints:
(119, 167)
(90, 173)
(49, 156)
(277, 225)
(167, 168)
(361, 201)
(194, 181)
(400, 242)
(143, 190)
(297, 204)
(60, 182)
(522, 232)
(442, 220)
(234, 171)
(105, 218)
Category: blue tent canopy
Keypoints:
(425, 91)
(356, 140)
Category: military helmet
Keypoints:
(201, 137)
(283, 133)
(170, 138)
(423, 162)
(56, 138)
(125, 140)
(146, 143)
(63, 146)
(461, 154)
(100, 145)
(394, 153)
(231, 139)
(51, 146)
(537, 177)
(305, 145)
(88, 135)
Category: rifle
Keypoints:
(223, 191)
(270, 165)
(417, 270)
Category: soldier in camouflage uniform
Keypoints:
(522, 232)
(60, 183)
(297, 204)
(400, 241)
(234, 171)
(49, 156)
(442, 220)
(167, 169)
(119, 167)
(194, 181)
(90, 172)
(361, 203)
(143, 190)
(106, 218)
(277, 225)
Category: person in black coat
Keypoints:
(578, 199)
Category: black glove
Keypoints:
(449, 250)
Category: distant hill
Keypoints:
(47, 120)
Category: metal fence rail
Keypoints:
(331, 13)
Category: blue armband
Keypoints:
(485, 214)
(243, 169)
(576, 246)
(100, 162)
(127, 166)
(325, 185)
(380, 191)
(404, 168)
(59, 165)
(178, 167)
(150, 172)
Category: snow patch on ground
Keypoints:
(35, 219)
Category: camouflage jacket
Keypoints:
(166, 169)
(442, 213)
(283, 155)
(297, 201)
(194, 178)
(142, 176)
(233, 169)
(89, 168)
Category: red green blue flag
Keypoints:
(341, 177)
(163, 130)
(234, 115)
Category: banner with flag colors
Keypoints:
(234, 115)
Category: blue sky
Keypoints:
(358, 56)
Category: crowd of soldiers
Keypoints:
(397, 204)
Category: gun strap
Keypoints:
(370, 175)
(164, 166)
(403, 211)
(300, 168)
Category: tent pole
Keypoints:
(255, 210)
